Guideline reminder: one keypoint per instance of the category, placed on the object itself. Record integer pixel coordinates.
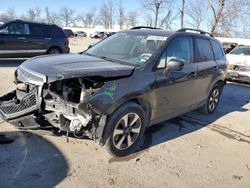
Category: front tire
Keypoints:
(125, 129)
(213, 100)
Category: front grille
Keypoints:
(25, 103)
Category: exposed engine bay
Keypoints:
(62, 104)
(65, 102)
(66, 93)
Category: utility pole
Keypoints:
(182, 13)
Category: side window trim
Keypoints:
(26, 29)
(196, 52)
(211, 46)
(169, 43)
(222, 52)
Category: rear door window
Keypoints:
(39, 29)
(218, 53)
(57, 31)
(203, 50)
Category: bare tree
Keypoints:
(51, 17)
(228, 16)
(33, 14)
(167, 21)
(107, 14)
(196, 12)
(217, 8)
(66, 15)
(148, 20)
(89, 18)
(132, 18)
(182, 13)
(155, 6)
(10, 13)
(122, 17)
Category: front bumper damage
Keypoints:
(13, 107)
(36, 107)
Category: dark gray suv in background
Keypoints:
(25, 39)
(120, 86)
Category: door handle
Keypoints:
(192, 75)
(48, 38)
(21, 38)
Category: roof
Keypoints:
(26, 21)
(158, 32)
(141, 30)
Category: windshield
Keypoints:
(241, 51)
(129, 48)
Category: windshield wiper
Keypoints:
(106, 58)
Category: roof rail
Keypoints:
(144, 27)
(196, 30)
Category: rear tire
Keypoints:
(212, 101)
(54, 50)
(124, 130)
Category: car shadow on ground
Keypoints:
(31, 161)
(234, 98)
(11, 62)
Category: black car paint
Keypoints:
(58, 67)
(26, 45)
(162, 95)
(163, 88)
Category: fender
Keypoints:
(115, 93)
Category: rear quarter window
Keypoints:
(39, 29)
(203, 50)
(218, 52)
(57, 31)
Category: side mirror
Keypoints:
(174, 65)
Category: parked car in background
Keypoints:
(108, 34)
(80, 34)
(25, 39)
(69, 32)
(239, 64)
(98, 35)
(117, 88)
(229, 46)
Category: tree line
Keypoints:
(227, 18)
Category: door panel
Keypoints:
(206, 66)
(39, 38)
(206, 75)
(14, 41)
(174, 92)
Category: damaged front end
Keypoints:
(59, 106)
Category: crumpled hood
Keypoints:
(58, 67)
(238, 59)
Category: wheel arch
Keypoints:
(53, 46)
(220, 81)
(143, 103)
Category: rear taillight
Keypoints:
(66, 42)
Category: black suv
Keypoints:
(120, 86)
(25, 39)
